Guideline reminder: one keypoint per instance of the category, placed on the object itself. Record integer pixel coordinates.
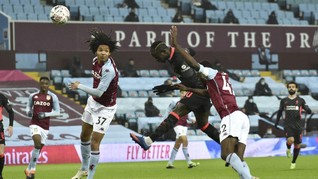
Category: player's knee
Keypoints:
(224, 155)
(37, 146)
(290, 141)
(84, 137)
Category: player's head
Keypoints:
(160, 51)
(44, 84)
(99, 38)
(292, 87)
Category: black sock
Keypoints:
(295, 154)
(1, 164)
(164, 127)
(213, 133)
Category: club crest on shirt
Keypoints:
(48, 97)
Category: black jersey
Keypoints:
(187, 75)
(293, 109)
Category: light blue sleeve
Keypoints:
(107, 76)
(210, 73)
(108, 73)
(56, 106)
(29, 104)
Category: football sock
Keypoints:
(93, 162)
(212, 132)
(186, 154)
(237, 165)
(246, 168)
(85, 152)
(165, 126)
(34, 158)
(288, 145)
(1, 163)
(173, 155)
(295, 154)
(148, 140)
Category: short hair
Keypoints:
(206, 63)
(155, 45)
(100, 38)
(44, 78)
(292, 82)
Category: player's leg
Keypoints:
(174, 151)
(85, 136)
(145, 142)
(102, 118)
(202, 119)
(1, 157)
(2, 145)
(297, 143)
(95, 154)
(85, 144)
(39, 137)
(289, 140)
(234, 129)
(200, 105)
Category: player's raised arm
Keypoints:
(188, 58)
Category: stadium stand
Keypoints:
(289, 12)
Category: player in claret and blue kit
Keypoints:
(41, 106)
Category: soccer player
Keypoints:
(234, 123)
(292, 105)
(4, 103)
(181, 130)
(101, 105)
(41, 105)
(198, 104)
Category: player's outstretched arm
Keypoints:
(188, 58)
(202, 92)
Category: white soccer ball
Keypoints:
(59, 14)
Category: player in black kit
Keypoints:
(293, 105)
(200, 105)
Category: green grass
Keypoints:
(265, 168)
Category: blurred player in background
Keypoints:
(292, 105)
(181, 129)
(101, 105)
(4, 103)
(40, 107)
(235, 124)
(198, 104)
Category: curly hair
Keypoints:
(100, 38)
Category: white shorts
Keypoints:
(180, 131)
(237, 125)
(97, 115)
(35, 129)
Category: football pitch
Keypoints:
(264, 168)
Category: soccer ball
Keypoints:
(59, 14)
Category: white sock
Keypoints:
(237, 165)
(93, 162)
(246, 168)
(173, 155)
(186, 154)
(34, 159)
(148, 140)
(85, 152)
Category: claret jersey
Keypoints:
(105, 78)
